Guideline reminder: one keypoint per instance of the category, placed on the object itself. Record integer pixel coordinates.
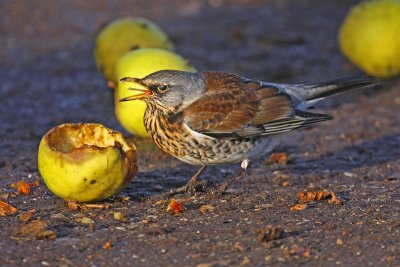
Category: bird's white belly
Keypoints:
(206, 150)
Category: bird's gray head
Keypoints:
(174, 89)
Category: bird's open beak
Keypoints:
(145, 91)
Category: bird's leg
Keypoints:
(190, 186)
(224, 186)
(192, 182)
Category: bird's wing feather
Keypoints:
(234, 107)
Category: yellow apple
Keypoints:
(370, 37)
(123, 35)
(85, 162)
(138, 64)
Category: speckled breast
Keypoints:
(177, 139)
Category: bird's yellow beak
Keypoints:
(145, 91)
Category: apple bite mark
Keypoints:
(85, 162)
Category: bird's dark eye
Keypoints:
(162, 88)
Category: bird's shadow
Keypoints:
(365, 154)
(163, 179)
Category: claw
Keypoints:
(224, 186)
(190, 188)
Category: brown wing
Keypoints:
(236, 107)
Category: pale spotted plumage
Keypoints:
(179, 140)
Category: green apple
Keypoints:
(123, 35)
(85, 162)
(138, 64)
(370, 37)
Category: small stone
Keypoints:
(118, 216)
(207, 208)
(72, 205)
(346, 232)
(46, 234)
(245, 262)
(86, 220)
(107, 245)
(239, 246)
(25, 216)
(5, 196)
(277, 158)
(264, 206)
(269, 233)
(205, 265)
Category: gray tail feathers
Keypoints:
(332, 87)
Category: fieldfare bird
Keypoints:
(210, 118)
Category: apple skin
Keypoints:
(370, 37)
(123, 35)
(85, 162)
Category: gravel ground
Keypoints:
(48, 77)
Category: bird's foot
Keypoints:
(221, 189)
(191, 188)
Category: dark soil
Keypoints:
(48, 77)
